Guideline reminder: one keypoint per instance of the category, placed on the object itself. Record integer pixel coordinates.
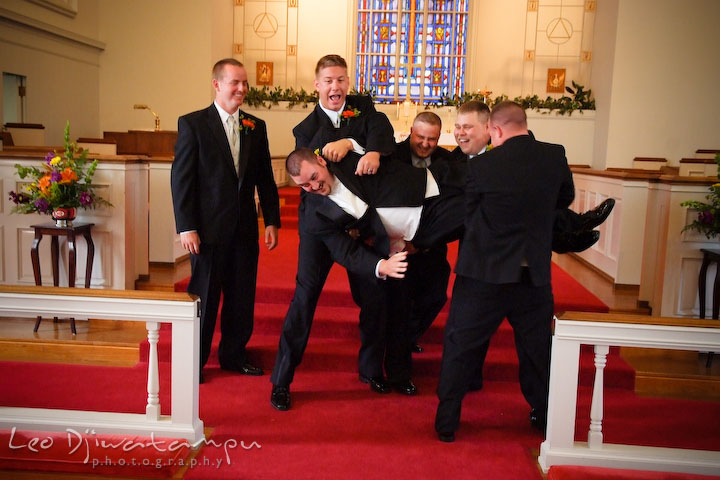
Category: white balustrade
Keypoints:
(154, 308)
(574, 329)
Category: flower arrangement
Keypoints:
(246, 124)
(61, 182)
(708, 219)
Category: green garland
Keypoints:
(580, 99)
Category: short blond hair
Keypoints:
(331, 60)
(217, 71)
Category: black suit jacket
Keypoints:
(396, 184)
(511, 195)
(371, 129)
(403, 153)
(208, 195)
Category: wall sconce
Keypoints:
(139, 106)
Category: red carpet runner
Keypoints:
(337, 428)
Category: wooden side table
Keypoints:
(709, 256)
(70, 232)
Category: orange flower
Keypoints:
(68, 175)
(348, 114)
(247, 123)
(44, 183)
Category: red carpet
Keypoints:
(570, 472)
(337, 428)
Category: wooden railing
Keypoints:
(603, 331)
(153, 308)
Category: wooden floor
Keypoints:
(102, 342)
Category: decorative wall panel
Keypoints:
(558, 35)
(266, 31)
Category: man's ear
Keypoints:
(316, 83)
(321, 161)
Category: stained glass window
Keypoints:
(411, 49)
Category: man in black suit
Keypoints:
(339, 124)
(428, 273)
(221, 156)
(503, 267)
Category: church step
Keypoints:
(98, 342)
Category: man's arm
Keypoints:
(567, 187)
(183, 185)
(266, 187)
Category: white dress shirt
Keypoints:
(401, 223)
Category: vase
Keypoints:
(63, 216)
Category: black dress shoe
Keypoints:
(538, 420)
(597, 215)
(244, 369)
(377, 384)
(280, 398)
(574, 241)
(416, 348)
(406, 388)
(447, 437)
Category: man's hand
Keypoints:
(271, 237)
(190, 242)
(394, 266)
(336, 151)
(368, 164)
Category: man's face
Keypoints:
(332, 85)
(231, 88)
(471, 132)
(424, 138)
(314, 177)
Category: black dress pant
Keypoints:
(476, 311)
(370, 294)
(427, 276)
(230, 269)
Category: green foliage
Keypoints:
(708, 219)
(266, 97)
(580, 99)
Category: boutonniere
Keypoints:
(349, 113)
(246, 124)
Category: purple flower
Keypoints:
(42, 205)
(706, 218)
(18, 198)
(55, 176)
(85, 199)
(49, 156)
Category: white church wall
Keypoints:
(160, 56)
(60, 58)
(662, 98)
